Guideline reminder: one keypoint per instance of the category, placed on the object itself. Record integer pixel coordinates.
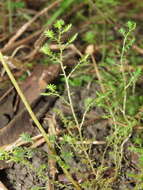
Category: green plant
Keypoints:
(34, 118)
(56, 36)
(118, 98)
(23, 156)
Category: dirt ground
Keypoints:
(19, 177)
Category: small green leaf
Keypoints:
(67, 28)
(51, 87)
(131, 25)
(72, 39)
(49, 34)
(122, 31)
(46, 50)
(59, 24)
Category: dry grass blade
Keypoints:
(35, 120)
(18, 43)
(6, 93)
(26, 25)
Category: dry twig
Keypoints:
(26, 25)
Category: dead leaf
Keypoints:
(21, 122)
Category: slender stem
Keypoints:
(123, 75)
(20, 93)
(69, 96)
(66, 79)
(71, 104)
(34, 118)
